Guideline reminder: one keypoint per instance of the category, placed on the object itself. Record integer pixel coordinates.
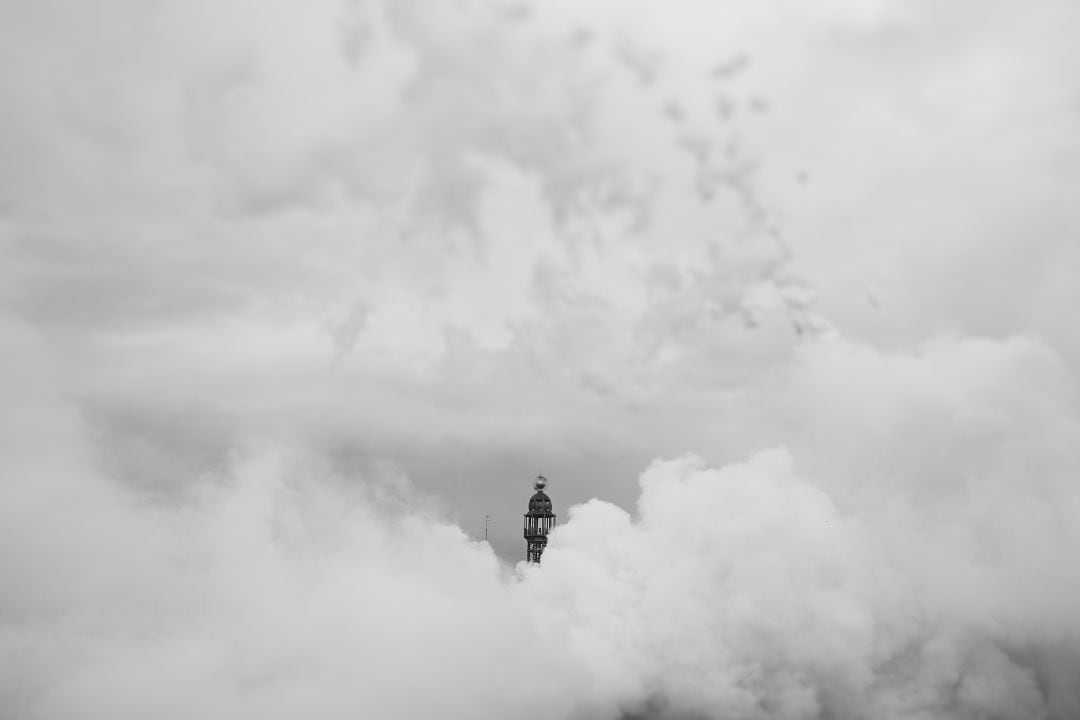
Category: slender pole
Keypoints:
(486, 518)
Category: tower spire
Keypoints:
(538, 521)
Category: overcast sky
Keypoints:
(293, 294)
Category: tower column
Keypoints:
(538, 521)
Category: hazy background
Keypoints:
(293, 294)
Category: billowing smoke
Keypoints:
(290, 297)
(926, 573)
(917, 574)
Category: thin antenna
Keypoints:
(486, 518)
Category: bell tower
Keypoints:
(538, 521)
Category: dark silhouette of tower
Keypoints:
(538, 521)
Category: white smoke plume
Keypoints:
(915, 576)
(290, 295)
(939, 587)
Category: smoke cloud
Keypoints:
(290, 298)
(912, 577)
(938, 588)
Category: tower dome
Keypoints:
(540, 503)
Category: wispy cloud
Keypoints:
(290, 298)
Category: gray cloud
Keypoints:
(290, 300)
